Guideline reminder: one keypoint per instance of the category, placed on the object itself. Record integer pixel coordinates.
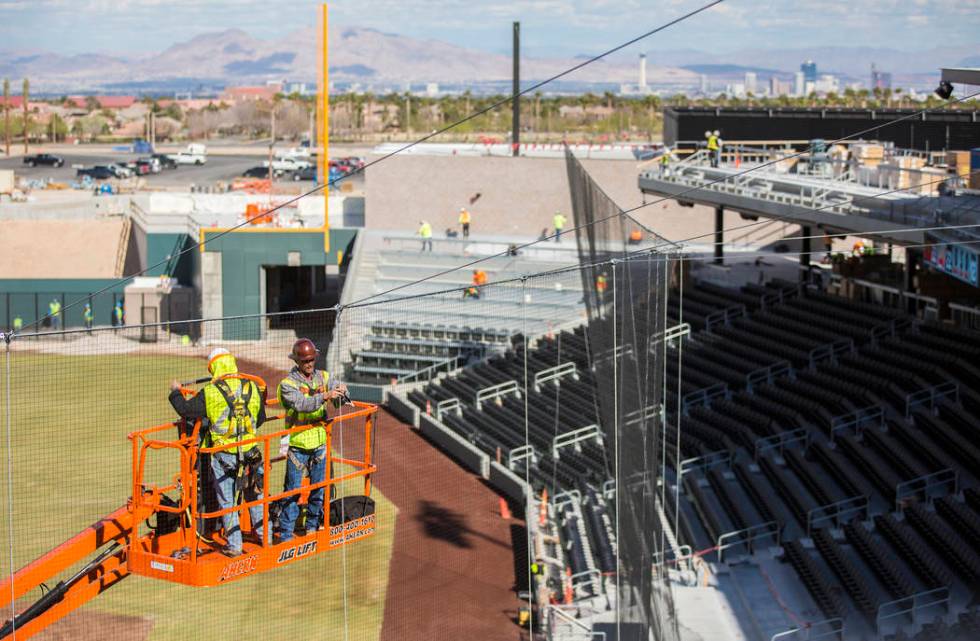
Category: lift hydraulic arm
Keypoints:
(93, 578)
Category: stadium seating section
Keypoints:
(850, 428)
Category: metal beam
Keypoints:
(516, 113)
(962, 75)
(719, 235)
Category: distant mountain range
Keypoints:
(356, 55)
(372, 57)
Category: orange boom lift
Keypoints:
(170, 548)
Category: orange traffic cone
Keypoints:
(504, 509)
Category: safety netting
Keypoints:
(516, 467)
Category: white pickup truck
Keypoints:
(195, 154)
(282, 163)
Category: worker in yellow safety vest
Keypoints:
(304, 395)
(714, 147)
(425, 233)
(234, 408)
(54, 311)
(559, 222)
(665, 161)
(464, 221)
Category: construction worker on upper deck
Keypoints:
(464, 221)
(559, 223)
(714, 147)
(234, 408)
(304, 395)
(425, 233)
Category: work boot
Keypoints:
(252, 537)
(231, 552)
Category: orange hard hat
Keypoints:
(303, 350)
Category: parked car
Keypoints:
(44, 159)
(99, 172)
(165, 161)
(260, 172)
(306, 173)
(354, 162)
(288, 164)
(121, 171)
(152, 163)
(187, 158)
(300, 153)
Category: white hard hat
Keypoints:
(216, 352)
(707, 133)
(717, 133)
(462, 208)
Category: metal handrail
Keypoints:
(575, 437)
(747, 536)
(497, 391)
(911, 605)
(830, 352)
(704, 396)
(768, 374)
(448, 405)
(450, 364)
(518, 454)
(706, 462)
(781, 440)
(725, 316)
(924, 484)
(808, 629)
(669, 334)
(555, 374)
(836, 512)
(931, 395)
(858, 419)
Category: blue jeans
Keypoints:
(225, 468)
(299, 462)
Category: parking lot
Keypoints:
(219, 168)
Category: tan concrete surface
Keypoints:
(59, 248)
(518, 196)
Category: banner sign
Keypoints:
(959, 261)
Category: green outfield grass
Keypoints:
(71, 465)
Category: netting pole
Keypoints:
(616, 463)
(10, 478)
(680, 398)
(343, 506)
(527, 465)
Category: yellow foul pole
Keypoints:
(323, 123)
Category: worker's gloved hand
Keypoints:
(338, 395)
(174, 385)
(284, 446)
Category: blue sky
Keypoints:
(555, 27)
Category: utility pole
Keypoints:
(272, 143)
(408, 111)
(6, 115)
(516, 115)
(27, 86)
